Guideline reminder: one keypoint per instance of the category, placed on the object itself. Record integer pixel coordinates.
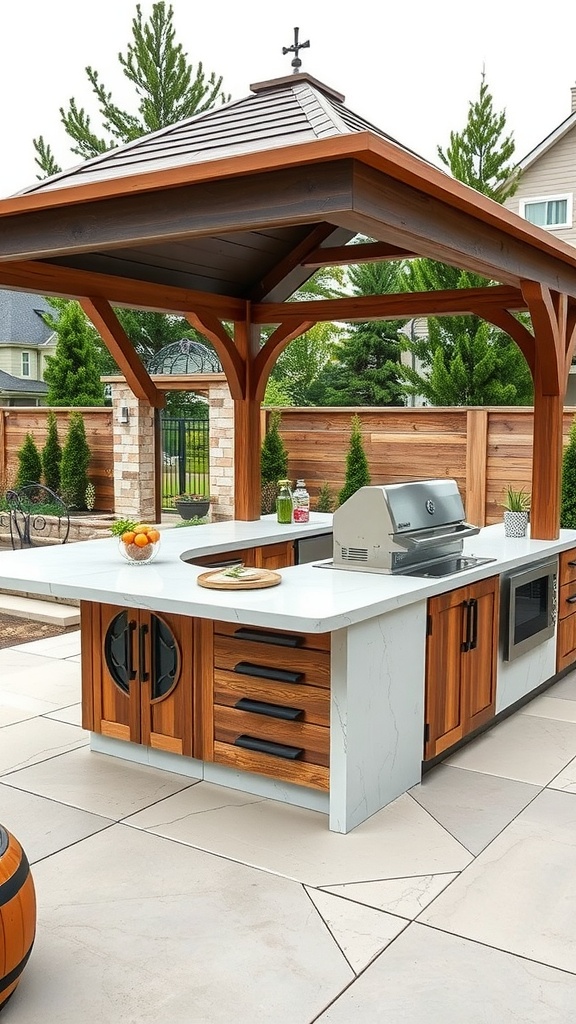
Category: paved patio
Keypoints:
(165, 900)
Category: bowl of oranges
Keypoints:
(138, 543)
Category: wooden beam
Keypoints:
(247, 480)
(455, 302)
(546, 464)
(232, 362)
(508, 323)
(294, 261)
(548, 316)
(120, 347)
(52, 279)
(361, 252)
(270, 351)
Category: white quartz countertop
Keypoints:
(309, 598)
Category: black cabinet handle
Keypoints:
(281, 675)
(571, 600)
(262, 707)
(474, 623)
(279, 639)
(465, 645)
(267, 747)
(130, 666)
(144, 674)
(571, 564)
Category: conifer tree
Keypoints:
(52, 456)
(75, 462)
(72, 373)
(29, 463)
(357, 472)
(168, 89)
(273, 456)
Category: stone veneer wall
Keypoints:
(221, 451)
(133, 455)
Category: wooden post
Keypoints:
(158, 466)
(247, 484)
(546, 465)
(2, 450)
(476, 453)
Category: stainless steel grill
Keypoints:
(416, 528)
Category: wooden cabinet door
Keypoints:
(446, 634)
(115, 678)
(165, 669)
(275, 556)
(479, 663)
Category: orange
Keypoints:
(128, 537)
(141, 528)
(153, 536)
(141, 540)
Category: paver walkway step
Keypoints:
(64, 615)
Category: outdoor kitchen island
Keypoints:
(321, 678)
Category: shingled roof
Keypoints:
(280, 112)
(28, 387)
(20, 319)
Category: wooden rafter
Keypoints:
(548, 312)
(296, 258)
(120, 347)
(270, 351)
(361, 252)
(232, 362)
(390, 307)
(52, 279)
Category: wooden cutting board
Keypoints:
(255, 579)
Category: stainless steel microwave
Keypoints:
(528, 605)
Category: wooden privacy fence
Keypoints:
(16, 422)
(483, 449)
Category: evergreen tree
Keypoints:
(273, 456)
(168, 89)
(75, 462)
(481, 155)
(29, 463)
(568, 500)
(357, 472)
(299, 367)
(52, 456)
(73, 373)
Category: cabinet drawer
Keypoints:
(313, 776)
(312, 740)
(280, 637)
(567, 600)
(284, 665)
(314, 701)
(567, 566)
(566, 648)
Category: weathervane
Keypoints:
(296, 63)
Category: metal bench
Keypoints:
(36, 515)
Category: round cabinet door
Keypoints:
(118, 650)
(165, 659)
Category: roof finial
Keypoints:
(296, 63)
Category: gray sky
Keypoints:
(409, 68)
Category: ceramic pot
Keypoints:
(515, 524)
(192, 509)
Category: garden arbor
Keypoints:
(222, 217)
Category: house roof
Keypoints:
(8, 383)
(558, 133)
(281, 112)
(20, 319)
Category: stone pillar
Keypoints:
(221, 451)
(133, 455)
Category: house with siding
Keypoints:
(25, 343)
(547, 190)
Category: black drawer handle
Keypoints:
(571, 600)
(261, 707)
(572, 564)
(281, 675)
(266, 747)
(280, 639)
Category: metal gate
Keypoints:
(185, 458)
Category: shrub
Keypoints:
(75, 461)
(357, 473)
(273, 456)
(52, 456)
(326, 499)
(268, 498)
(568, 500)
(29, 463)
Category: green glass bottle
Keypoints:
(284, 503)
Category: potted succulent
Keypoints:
(516, 506)
(192, 506)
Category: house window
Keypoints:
(25, 364)
(548, 211)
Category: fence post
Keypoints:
(2, 450)
(476, 456)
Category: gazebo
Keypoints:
(223, 216)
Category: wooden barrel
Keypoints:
(17, 913)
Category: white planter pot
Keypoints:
(515, 524)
